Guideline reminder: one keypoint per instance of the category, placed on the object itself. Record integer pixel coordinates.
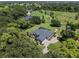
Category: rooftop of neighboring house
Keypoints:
(28, 17)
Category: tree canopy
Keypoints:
(65, 49)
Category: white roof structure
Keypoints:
(29, 13)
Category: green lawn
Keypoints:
(61, 16)
(46, 17)
(65, 16)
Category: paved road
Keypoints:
(46, 43)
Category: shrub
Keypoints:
(72, 26)
(35, 20)
(67, 34)
(55, 23)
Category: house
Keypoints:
(42, 34)
(28, 15)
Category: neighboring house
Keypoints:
(42, 34)
(28, 15)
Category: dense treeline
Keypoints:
(56, 6)
(61, 6)
(14, 42)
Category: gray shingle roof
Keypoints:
(28, 17)
(42, 34)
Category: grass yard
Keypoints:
(65, 16)
(61, 16)
(46, 17)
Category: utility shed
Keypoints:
(42, 34)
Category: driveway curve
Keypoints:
(48, 42)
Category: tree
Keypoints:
(55, 23)
(67, 34)
(23, 24)
(57, 50)
(12, 25)
(52, 14)
(64, 49)
(4, 20)
(4, 38)
(77, 17)
(18, 11)
(72, 26)
(16, 43)
(43, 20)
(13, 30)
(35, 20)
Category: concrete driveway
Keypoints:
(48, 42)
